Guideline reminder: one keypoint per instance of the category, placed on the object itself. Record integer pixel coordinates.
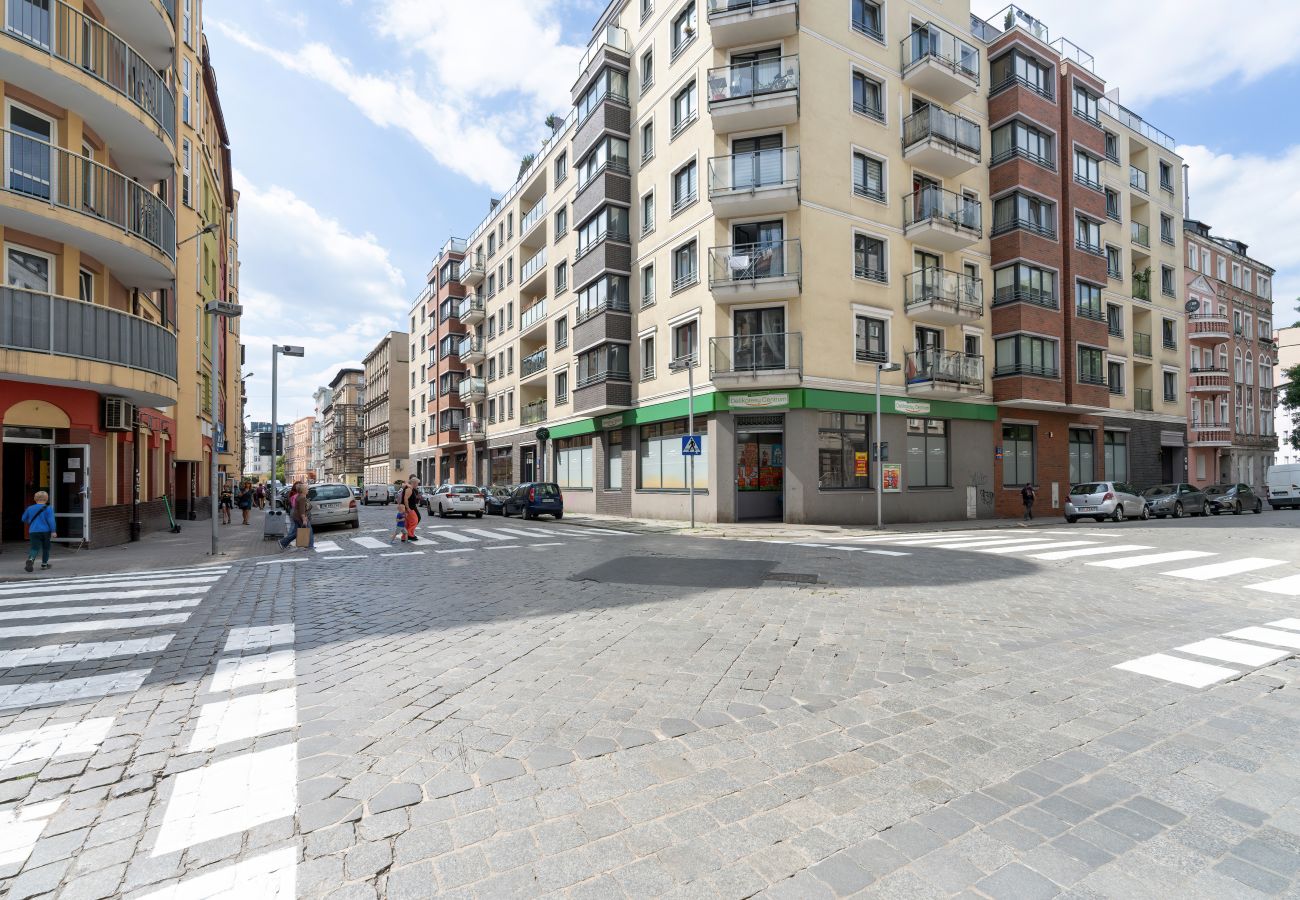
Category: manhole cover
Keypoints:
(677, 571)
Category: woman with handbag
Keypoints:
(300, 516)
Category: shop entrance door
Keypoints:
(760, 467)
(26, 469)
(70, 492)
(528, 463)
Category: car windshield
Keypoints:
(1090, 488)
(1217, 490)
(463, 489)
(1163, 490)
(328, 492)
(548, 490)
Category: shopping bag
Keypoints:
(304, 536)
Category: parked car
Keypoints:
(1176, 500)
(1233, 498)
(333, 504)
(466, 499)
(392, 493)
(1100, 500)
(377, 493)
(535, 498)
(494, 499)
(1284, 486)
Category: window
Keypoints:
(1018, 67)
(1193, 257)
(608, 291)
(561, 276)
(573, 462)
(1090, 366)
(186, 77)
(1017, 455)
(1167, 281)
(647, 285)
(1081, 447)
(647, 357)
(867, 19)
(1020, 139)
(648, 213)
(610, 222)
(868, 177)
(647, 70)
(609, 83)
(647, 7)
(1250, 369)
(683, 32)
(927, 453)
(1114, 320)
(1112, 205)
(871, 343)
(1223, 268)
(686, 342)
(85, 286)
(1166, 176)
(1115, 377)
(1017, 210)
(686, 270)
(614, 461)
(1087, 301)
(1171, 387)
(1025, 283)
(1085, 105)
(1087, 169)
(187, 153)
(1114, 261)
(1112, 146)
(561, 221)
(561, 167)
(647, 142)
(685, 186)
(561, 332)
(684, 108)
(1116, 450)
(510, 218)
(609, 152)
(1025, 354)
(661, 464)
(841, 443)
(869, 258)
(1087, 235)
(510, 270)
(187, 21)
(1166, 228)
(868, 97)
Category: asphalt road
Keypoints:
(511, 708)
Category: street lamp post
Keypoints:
(277, 351)
(218, 310)
(880, 455)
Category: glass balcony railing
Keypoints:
(956, 290)
(534, 413)
(469, 345)
(532, 315)
(930, 204)
(930, 42)
(933, 366)
(531, 365)
(473, 264)
(1137, 179)
(937, 123)
(613, 37)
(533, 216)
(470, 387)
(1142, 399)
(1141, 234)
(745, 173)
(533, 265)
(742, 264)
(747, 81)
(470, 305)
(1141, 344)
(753, 353)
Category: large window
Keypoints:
(1115, 377)
(1087, 169)
(927, 453)
(1090, 366)
(614, 461)
(608, 291)
(686, 342)
(612, 152)
(1021, 139)
(609, 82)
(1017, 67)
(1024, 283)
(661, 464)
(1087, 301)
(1087, 235)
(868, 97)
(683, 28)
(1017, 210)
(871, 344)
(843, 452)
(869, 259)
(1116, 449)
(686, 269)
(610, 222)
(867, 19)
(1025, 354)
(1081, 453)
(608, 361)
(573, 462)
(685, 186)
(1017, 455)
(1085, 105)
(868, 177)
(684, 107)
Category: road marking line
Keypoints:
(40, 693)
(1150, 559)
(1179, 671)
(1291, 624)
(535, 546)
(1224, 569)
(50, 741)
(528, 532)
(371, 543)
(405, 553)
(21, 828)
(604, 530)
(503, 547)
(228, 721)
(67, 653)
(1288, 587)
(1001, 542)
(1075, 532)
(274, 562)
(949, 539)
(259, 668)
(68, 596)
(94, 625)
(1234, 652)
(886, 552)
(353, 556)
(229, 797)
(1036, 545)
(1267, 636)
(328, 547)
(456, 550)
(483, 532)
(161, 577)
(270, 876)
(458, 537)
(1091, 551)
(259, 637)
(47, 588)
(49, 612)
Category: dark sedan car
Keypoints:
(535, 498)
(1233, 498)
(494, 499)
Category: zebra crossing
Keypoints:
(1251, 647)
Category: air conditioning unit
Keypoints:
(119, 414)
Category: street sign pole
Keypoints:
(690, 429)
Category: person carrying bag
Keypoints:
(300, 515)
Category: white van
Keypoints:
(375, 493)
(1284, 486)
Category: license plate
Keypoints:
(1279, 493)
(1087, 509)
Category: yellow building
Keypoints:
(114, 148)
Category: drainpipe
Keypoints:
(134, 533)
(1187, 195)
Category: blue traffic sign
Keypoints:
(691, 444)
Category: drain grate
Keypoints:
(790, 577)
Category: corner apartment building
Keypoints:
(442, 453)
(1231, 357)
(114, 145)
(341, 435)
(384, 433)
(298, 465)
(679, 227)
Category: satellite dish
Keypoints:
(1192, 305)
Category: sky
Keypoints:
(365, 133)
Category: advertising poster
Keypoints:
(747, 467)
(891, 478)
(861, 464)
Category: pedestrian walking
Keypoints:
(227, 502)
(260, 494)
(408, 503)
(245, 500)
(299, 517)
(1027, 495)
(41, 528)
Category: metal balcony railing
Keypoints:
(1142, 399)
(741, 264)
(930, 42)
(534, 413)
(748, 81)
(69, 181)
(532, 364)
(1141, 234)
(935, 366)
(69, 35)
(932, 204)
(961, 292)
(753, 353)
(1141, 344)
(532, 315)
(934, 122)
(472, 429)
(745, 173)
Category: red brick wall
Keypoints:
(1052, 459)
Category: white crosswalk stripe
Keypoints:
(371, 543)
(8, 602)
(1029, 545)
(1223, 569)
(328, 547)
(52, 741)
(1289, 624)
(1150, 559)
(1091, 551)
(1287, 587)
(457, 537)
(53, 612)
(41, 693)
(1260, 635)
(20, 828)
(92, 625)
(1178, 670)
(74, 653)
(483, 532)
(962, 545)
(160, 575)
(47, 587)
(1234, 652)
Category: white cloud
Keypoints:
(1255, 199)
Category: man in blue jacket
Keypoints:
(39, 519)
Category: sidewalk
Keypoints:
(155, 550)
(786, 530)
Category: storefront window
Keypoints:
(927, 453)
(1116, 443)
(760, 461)
(662, 466)
(614, 461)
(1017, 455)
(843, 452)
(502, 468)
(1081, 467)
(573, 462)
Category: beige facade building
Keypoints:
(384, 423)
(298, 467)
(341, 432)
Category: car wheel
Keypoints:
(478, 515)
(1071, 519)
(1118, 514)
(1236, 508)
(442, 513)
(559, 515)
(1178, 511)
(1215, 510)
(529, 514)
(1259, 507)
(1146, 512)
(505, 511)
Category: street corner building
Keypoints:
(118, 221)
(753, 212)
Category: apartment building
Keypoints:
(298, 464)
(444, 455)
(320, 401)
(1288, 357)
(105, 358)
(341, 434)
(1232, 353)
(384, 432)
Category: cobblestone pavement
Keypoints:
(530, 709)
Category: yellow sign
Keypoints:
(861, 464)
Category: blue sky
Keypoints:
(366, 132)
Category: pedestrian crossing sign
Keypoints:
(691, 445)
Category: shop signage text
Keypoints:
(757, 401)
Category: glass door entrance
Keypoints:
(760, 467)
(70, 493)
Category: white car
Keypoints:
(466, 499)
(1284, 486)
(1116, 500)
(333, 504)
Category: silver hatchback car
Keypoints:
(333, 504)
(1176, 500)
(1100, 500)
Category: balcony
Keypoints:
(941, 297)
(147, 25)
(1142, 399)
(529, 234)
(1141, 344)
(471, 350)
(472, 269)
(532, 274)
(62, 196)
(939, 64)
(471, 310)
(1141, 234)
(1208, 328)
(1137, 179)
(59, 53)
(756, 361)
(534, 364)
(533, 317)
(1209, 381)
(1209, 434)
(533, 414)
(940, 219)
(472, 430)
(941, 142)
(471, 389)
(58, 340)
(604, 392)
(943, 374)
(761, 94)
(762, 183)
(749, 272)
(736, 23)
